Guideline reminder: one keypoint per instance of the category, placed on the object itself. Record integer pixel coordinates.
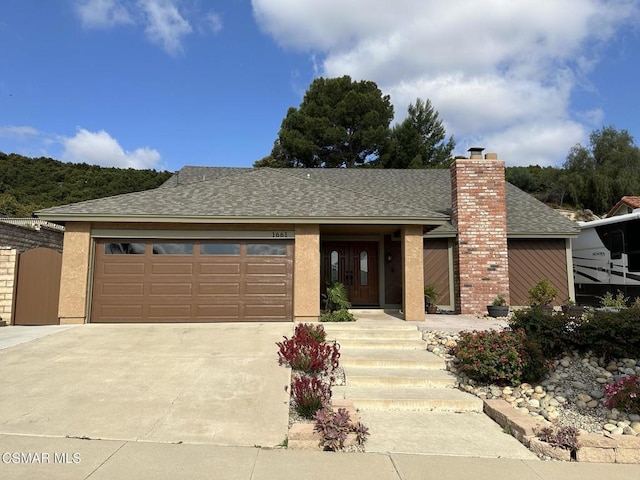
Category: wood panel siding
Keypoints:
(436, 267)
(531, 260)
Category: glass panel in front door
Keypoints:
(334, 266)
(364, 269)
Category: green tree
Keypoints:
(419, 141)
(606, 171)
(340, 123)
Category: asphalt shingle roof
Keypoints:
(323, 194)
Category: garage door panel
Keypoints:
(265, 312)
(172, 289)
(266, 289)
(191, 287)
(266, 269)
(118, 268)
(220, 279)
(172, 268)
(219, 289)
(222, 311)
(114, 312)
(177, 312)
(220, 269)
(122, 289)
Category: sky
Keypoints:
(166, 83)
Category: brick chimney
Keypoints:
(479, 213)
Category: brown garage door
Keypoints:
(192, 281)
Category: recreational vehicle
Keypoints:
(606, 257)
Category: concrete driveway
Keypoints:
(196, 383)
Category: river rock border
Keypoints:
(591, 447)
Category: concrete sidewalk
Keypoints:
(76, 459)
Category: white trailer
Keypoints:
(606, 257)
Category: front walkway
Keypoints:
(446, 322)
(403, 394)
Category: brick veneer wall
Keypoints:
(25, 238)
(479, 213)
(8, 263)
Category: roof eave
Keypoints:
(542, 235)
(243, 219)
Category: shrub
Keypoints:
(554, 333)
(542, 293)
(619, 301)
(336, 297)
(309, 395)
(499, 301)
(562, 437)
(337, 316)
(611, 334)
(335, 426)
(430, 293)
(502, 357)
(624, 394)
(315, 331)
(303, 352)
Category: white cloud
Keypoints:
(492, 68)
(102, 13)
(100, 148)
(211, 22)
(166, 22)
(14, 131)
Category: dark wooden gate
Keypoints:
(38, 287)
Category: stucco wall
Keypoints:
(413, 273)
(306, 273)
(74, 279)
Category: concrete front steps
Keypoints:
(387, 367)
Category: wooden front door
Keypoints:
(355, 264)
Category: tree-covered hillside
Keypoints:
(29, 184)
(593, 177)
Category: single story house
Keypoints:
(626, 204)
(244, 244)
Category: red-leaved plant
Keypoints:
(624, 394)
(307, 351)
(309, 394)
